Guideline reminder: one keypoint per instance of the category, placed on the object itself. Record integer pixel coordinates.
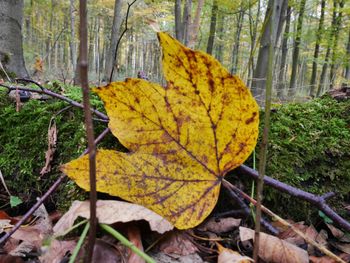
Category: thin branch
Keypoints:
(83, 66)
(120, 38)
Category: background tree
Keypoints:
(11, 51)
(296, 50)
(117, 21)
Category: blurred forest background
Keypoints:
(312, 40)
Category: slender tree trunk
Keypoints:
(296, 50)
(214, 12)
(117, 20)
(322, 83)
(178, 21)
(253, 26)
(194, 27)
(337, 28)
(347, 67)
(235, 49)
(220, 38)
(283, 65)
(259, 77)
(187, 21)
(317, 50)
(73, 51)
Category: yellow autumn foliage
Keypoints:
(183, 138)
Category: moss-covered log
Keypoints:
(309, 148)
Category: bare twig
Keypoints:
(83, 65)
(120, 38)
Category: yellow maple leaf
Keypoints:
(183, 138)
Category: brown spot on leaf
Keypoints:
(251, 119)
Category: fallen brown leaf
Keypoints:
(179, 243)
(337, 233)
(161, 257)
(219, 226)
(326, 259)
(56, 251)
(110, 212)
(33, 235)
(273, 249)
(344, 247)
(10, 259)
(104, 252)
(229, 256)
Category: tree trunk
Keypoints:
(193, 28)
(178, 21)
(214, 12)
(296, 49)
(317, 50)
(117, 20)
(235, 49)
(259, 76)
(347, 67)
(220, 38)
(11, 50)
(283, 65)
(187, 21)
(321, 84)
(253, 26)
(73, 51)
(336, 34)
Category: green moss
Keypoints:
(309, 148)
(23, 143)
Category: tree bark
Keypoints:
(283, 65)
(253, 26)
(178, 21)
(296, 50)
(214, 12)
(73, 51)
(328, 52)
(11, 50)
(336, 34)
(235, 49)
(194, 26)
(259, 76)
(187, 21)
(220, 36)
(317, 50)
(347, 67)
(117, 20)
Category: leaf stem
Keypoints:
(79, 244)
